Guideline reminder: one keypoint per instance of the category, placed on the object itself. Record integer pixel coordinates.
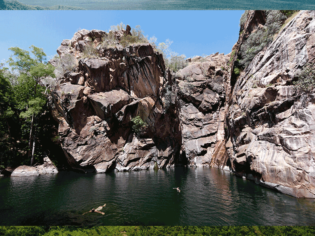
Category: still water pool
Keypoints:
(208, 197)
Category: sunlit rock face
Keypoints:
(271, 125)
(257, 123)
(201, 91)
(96, 102)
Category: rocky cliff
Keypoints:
(120, 108)
(271, 124)
(97, 101)
(96, 105)
(202, 87)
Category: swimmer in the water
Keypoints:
(178, 190)
(97, 210)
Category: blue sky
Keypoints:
(192, 32)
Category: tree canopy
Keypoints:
(23, 102)
(30, 95)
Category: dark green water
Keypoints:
(209, 197)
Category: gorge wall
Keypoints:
(257, 123)
(271, 125)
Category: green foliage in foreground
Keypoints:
(158, 230)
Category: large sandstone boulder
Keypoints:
(23, 171)
(47, 168)
(108, 103)
(96, 103)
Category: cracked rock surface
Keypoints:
(272, 126)
(258, 123)
(96, 102)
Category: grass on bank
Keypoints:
(158, 230)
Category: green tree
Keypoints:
(30, 95)
(177, 62)
(7, 103)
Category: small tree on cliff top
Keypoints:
(135, 37)
(29, 94)
(118, 27)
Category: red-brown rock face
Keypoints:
(96, 102)
(204, 115)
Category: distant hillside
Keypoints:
(15, 5)
(59, 7)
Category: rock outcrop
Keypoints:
(47, 168)
(23, 171)
(96, 103)
(202, 87)
(257, 123)
(271, 125)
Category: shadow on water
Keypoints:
(209, 197)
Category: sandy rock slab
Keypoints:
(22, 171)
(47, 168)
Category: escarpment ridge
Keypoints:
(119, 107)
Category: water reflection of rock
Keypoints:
(222, 179)
(134, 191)
(208, 197)
(78, 188)
(221, 190)
(31, 186)
(289, 206)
